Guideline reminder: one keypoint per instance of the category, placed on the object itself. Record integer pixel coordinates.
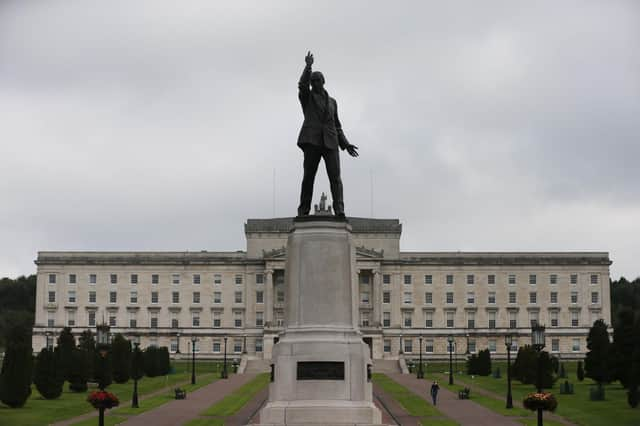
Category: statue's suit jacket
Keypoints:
(321, 126)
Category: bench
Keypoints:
(464, 393)
(180, 393)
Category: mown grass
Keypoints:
(233, 402)
(412, 403)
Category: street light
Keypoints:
(508, 341)
(102, 332)
(49, 338)
(136, 372)
(420, 374)
(244, 344)
(224, 374)
(450, 340)
(194, 339)
(177, 342)
(537, 341)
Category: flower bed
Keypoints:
(544, 400)
(102, 399)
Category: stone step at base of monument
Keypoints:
(321, 424)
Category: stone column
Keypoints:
(268, 303)
(377, 299)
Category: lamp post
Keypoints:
(136, 364)
(450, 340)
(102, 333)
(49, 341)
(224, 365)
(244, 344)
(420, 374)
(178, 343)
(194, 339)
(537, 341)
(508, 341)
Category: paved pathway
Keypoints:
(466, 412)
(178, 412)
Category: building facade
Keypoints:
(168, 298)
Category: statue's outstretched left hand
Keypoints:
(352, 150)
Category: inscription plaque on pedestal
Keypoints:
(320, 370)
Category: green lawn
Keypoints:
(233, 402)
(576, 408)
(414, 404)
(39, 411)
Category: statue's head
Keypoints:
(317, 81)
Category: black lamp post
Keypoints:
(137, 365)
(177, 342)
(400, 349)
(102, 333)
(508, 341)
(224, 374)
(244, 344)
(194, 339)
(420, 374)
(49, 342)
(537, 341)
(450, 341)
(467, 352)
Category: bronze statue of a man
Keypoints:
(320, 137)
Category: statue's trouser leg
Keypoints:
(332, 162)
(312, 155)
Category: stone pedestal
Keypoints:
(321, 365)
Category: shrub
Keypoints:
(566, 388)
(102, 367)
(79, 373)
(633, 396)
(525, 368)
(156, 361)
(47, 376)
(596, 393)
(66, 344)
(121, 358)
(17, 368)
(165, 361)
(580, 371)
(496, 373)
(563, 373)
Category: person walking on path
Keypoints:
(434, 391)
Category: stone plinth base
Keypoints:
(320, 412)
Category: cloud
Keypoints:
(147, 125)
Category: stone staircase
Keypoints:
(386, 366)
(255, 366)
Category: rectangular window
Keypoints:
(553, 279)
(471, 297)
(428, 319)
(195, 319)
(512, 279)
(280, 296)
(71, 296)
(173, 346)
(217, 297)
(407, 319)
(51, 319)
(238, 279)
(133, 320)
(386, 346)
(259, 319)
(364, 297)
(217, 319)
(92, 297)
(555, 345)
(92, 319)
(386, 319)
(364, 319)
(153, 321)
(554, 318)
(553, 297)
(386, 279)
(428, 346)
(133, 297)
(175, 323)
(408, 345)
(196, 279)
(492, 345)
(217, 347)
(154, 297)
(364, 278)
(72, 278)
(491, 298)
(196, 297)
(217, 279)
(449, 296)
(594, 297)
(533, 279)
(407, 279)
(71, 318)
(259, 296)
(574, 278)
(237, 319)
(134, 278)
(512, 297)
(449, 279)
(113, 278)
(428, 298)
(470, 279)
(594, 279)
(492, 319)
(533, 318)
(52, 278)
(450, 318)
(575, 347)
(472, 346)
(407, 299)
(574, 319)
(237, 297)
(386, 297)
(491, 279)
(471, 320)
(113, 297)
(533, 297)
(259, 345)
(52, 297)
(155, 279)
(112, 321)
(574, 297)
(513, 319)
(93, 278)
(259, 278)
(175, 297)
(175, 279)
(428, 279)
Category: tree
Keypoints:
(597, 363)
(164, 361)
(79, 372)
(484, 362)
(580, 371)
(624, 344)
(66, 345)
(17, 304)
(87, 343)
(17, 367)
(121, 352)
(47, 377)
(528, 361)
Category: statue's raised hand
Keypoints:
(309, 59)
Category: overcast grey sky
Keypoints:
(156, 125)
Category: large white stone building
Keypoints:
(166, 298)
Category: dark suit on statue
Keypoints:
(320, 136)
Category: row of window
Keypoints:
(491, 279)
(534, 318)
(155, 297)
(155, 279)
(407, 298)
(407, 345)
(236, 346)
